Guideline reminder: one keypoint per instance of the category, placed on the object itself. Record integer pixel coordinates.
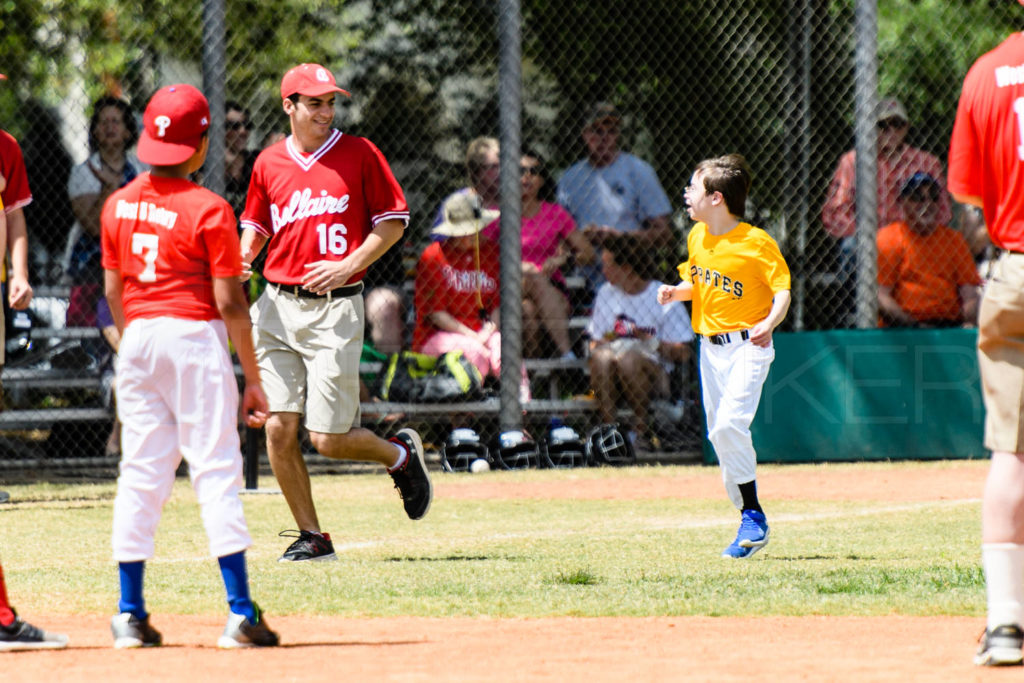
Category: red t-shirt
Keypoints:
(925, 271)
(448, 280)
(169, 238)
(12, 168)
(986, 156)
(319, 206)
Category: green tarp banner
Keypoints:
(888, 394)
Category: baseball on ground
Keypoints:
(479, 465)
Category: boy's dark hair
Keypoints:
(730, 175)
(126, 116)
(626, 251)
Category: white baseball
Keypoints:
(479, 465)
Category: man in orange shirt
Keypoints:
(926, 274)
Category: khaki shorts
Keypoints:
(1001, 354)
(308, 351)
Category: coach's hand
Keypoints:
(254, 406)
(323, 276)
(761, 334)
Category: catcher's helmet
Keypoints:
(563, 448)
(461, 448)
(517, 451)
(606, 445)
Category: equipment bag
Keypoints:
(413, 377)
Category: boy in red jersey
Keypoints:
(986, 169)
(327, 206)
(171, 262)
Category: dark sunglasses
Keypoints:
(238, 125)
(889, 124)
(529, 170)
(922, 197)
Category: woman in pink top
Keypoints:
(549, 237)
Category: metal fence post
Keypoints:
(509, 120)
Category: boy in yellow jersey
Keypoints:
(739, 284)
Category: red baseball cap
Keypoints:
(311, 80)
(173, 125)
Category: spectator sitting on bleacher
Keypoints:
(457, 298)
(634, 341)
(112, 133)
(926, 273)
(549, 240)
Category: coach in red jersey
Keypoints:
(986, 169)
(326, 206)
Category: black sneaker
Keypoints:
(1001, 647)
(21, 635)
(413, 480)
(308, 545)
(240, 632)
(130, 631)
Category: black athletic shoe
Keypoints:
(308, 546)
(413, 480)
(1001, 647)
(240, 632)
(130, 631)
(21, 635)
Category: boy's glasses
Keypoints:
(238, 125)
(529, 170)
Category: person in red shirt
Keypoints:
(926, 274)
(172, 262)
(986, 169)
(457, 294)
(16, 633)
(326, 205)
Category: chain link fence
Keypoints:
(774, 81)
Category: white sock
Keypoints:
(403, 455)
(1004, 583)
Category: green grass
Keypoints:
(513, 556)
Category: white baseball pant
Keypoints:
(177, 397)
(732, 375)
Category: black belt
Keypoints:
(297, 290)
(727, 337)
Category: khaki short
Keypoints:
(308, 351)
(1001, 355)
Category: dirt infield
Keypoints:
(406, 649)
(892, 648)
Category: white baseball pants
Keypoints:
(732, 375)
(177, 398)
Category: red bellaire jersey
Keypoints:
(319, 206)
(986, 156)
(450, 280)
(12, 168)
(169, 238)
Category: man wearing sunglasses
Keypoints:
(238, 158)
(897, 161)
(926, 274)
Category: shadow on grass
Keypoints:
(451, 558)
(818, 558)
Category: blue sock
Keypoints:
(131, 588)
(236, 582)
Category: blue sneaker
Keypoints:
(752, 536)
